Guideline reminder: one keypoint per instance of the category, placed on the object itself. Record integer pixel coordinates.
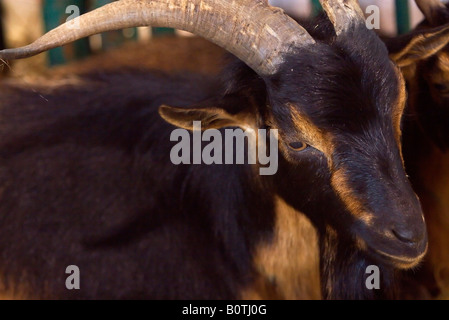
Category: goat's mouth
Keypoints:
(400, 261)
(394, 252)
(400, 245)
(399, 256)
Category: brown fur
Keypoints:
(424, 62)
(433, 190)
(294, 247)
(340, 185)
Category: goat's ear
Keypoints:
(211, 118)
(417, 45)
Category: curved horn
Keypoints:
(431, 10)
(258, 34)
(343, 14)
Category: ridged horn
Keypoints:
(343, 13)
(255, 32)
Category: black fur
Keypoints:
(86, 178)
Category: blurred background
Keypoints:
(23, 21)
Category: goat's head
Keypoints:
(337, 105)
(423, 55)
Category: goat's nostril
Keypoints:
(406, 236)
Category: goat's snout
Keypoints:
(411, 237)
(404, 240)
(408, 224)
(388, 217)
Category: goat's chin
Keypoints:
(398, 261)
(393, 252)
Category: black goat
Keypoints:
(423, 55)
(86, 176)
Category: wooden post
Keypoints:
(115, 38)
(163, 31)
(54, 15)
(402, 16)
(316, 7)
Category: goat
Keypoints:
(87, 179)
(423, 55)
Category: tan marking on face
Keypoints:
(340, 184)
(311, 133)
(323, 142)
(287, 267)
(398, 109)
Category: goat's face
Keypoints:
(345, 102)
(435, 71)
(423, 56)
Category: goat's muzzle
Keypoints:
(388, 221)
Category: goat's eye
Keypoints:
(297, 145)
(442, 87)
